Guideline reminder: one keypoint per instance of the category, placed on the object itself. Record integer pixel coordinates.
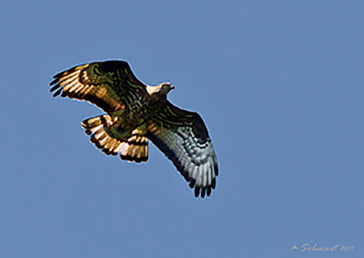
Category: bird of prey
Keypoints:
(137, 112)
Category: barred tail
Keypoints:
(134, 149)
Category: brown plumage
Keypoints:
(137, 112)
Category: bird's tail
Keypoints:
(133, 149)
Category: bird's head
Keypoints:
(161, 90)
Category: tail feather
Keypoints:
(134, 149)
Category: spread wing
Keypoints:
(182, 136)
(109, 85)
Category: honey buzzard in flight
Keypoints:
(136, 113)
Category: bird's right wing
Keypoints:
(104, 84)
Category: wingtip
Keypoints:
(197, 191)
(202, 192)
(58, 92)
(208, 191)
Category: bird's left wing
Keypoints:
(105, 84)
(182, 136)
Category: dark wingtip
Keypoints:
(57, 93)
(192, 183)
(216, 167)
(88, 132)
(106, 151)
(213, 183)
(53, 82)
(54, 88)
(197, 191)
(64, 73)
(203, 192)
(208, 191)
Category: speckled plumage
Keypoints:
(136, 112)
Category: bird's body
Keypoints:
(137, 112)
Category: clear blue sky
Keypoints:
(280, 85)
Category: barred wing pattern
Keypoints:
(133, 149)
(182, 136)
(108, 84)
(137, 112)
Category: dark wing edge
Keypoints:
(183, 137)
(100, 83)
